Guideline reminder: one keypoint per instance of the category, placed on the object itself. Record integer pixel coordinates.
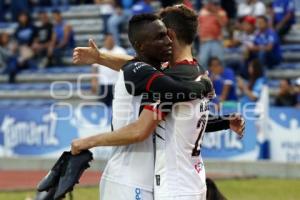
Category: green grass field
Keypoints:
(233, 189)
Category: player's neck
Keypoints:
(152, 62)
(182, 52)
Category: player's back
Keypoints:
(179, 170)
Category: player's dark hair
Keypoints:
(136, 26)
(182, 20)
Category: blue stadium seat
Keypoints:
(59, 70)
(289, 66)
(44, 86)
(11, 103)
(273, 83)
(290, 47)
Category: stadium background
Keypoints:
(45, 106)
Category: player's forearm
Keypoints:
(217, 123)
(129, 134)
(113, 61)
(179, 91)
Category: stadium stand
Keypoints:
(33, 87)
(87, 23)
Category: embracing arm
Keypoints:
(217, 123)
(234, 121)
(135, 132)
(90, 55)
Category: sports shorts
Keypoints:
(114, 191)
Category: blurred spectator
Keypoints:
(230, 8)
(287, 95)
(252, 8)
(223, 80)
(107, 9)
(24, 35)
(283, 16)
(141, 7)
(266, 44)
(212, 18)
(107, 77)
(251, 91)
(245, 37)
(126, 4)
(188, 3)
(57, 3)
(63, 41)
(42, 41)
(297, 90)
(119, 17)
(17, 6)
(8, 59)
(2, 13)
(243, 40)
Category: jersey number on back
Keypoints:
(200, 125)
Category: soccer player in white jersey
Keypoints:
(124, 176)
(141, 129)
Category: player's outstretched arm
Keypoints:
(91, 54)
(132, 133)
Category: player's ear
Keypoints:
(139, 46)
(171, 34)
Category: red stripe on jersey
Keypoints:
(187, 62)
(160, 114)
(154, 76)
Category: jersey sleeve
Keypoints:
(217, 123)
(160, 114)
(140, 77)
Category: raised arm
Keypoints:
(135, 132)
(90, 55)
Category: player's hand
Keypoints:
(77, 146)
(86, 55)
(204, 77)
(237, 124)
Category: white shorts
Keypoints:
(189, 197)
(113, 191)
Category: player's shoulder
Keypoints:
(134, 66)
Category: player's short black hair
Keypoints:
(182, 20)
(136, 26)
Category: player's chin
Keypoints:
(167, 56)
